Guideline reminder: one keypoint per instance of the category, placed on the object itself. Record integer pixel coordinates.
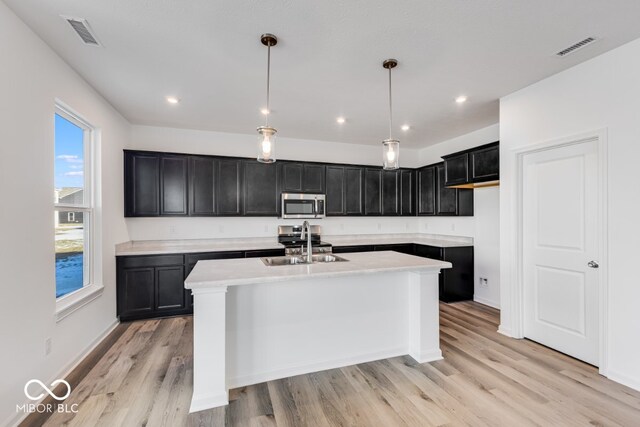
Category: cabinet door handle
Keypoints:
(593, 264)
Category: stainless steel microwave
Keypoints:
(302, 205)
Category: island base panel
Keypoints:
(282, 329)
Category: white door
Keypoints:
(561, 247)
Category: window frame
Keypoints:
(90, 290)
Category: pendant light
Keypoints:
(390, 147)
(267, 134)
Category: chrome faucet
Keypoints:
(306, 234)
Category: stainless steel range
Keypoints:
(291, 237)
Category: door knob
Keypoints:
(593, 264)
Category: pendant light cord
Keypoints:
(268, 80)
(390, 108)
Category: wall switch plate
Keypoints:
(379, 226)
(47, 346)
(453, 227)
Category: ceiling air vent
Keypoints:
(81, 27)
(576, 46)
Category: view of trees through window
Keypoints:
(71, 216)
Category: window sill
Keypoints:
(72, 302)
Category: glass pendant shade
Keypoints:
(266, 144)
(390, 154)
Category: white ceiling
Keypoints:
(328, 59)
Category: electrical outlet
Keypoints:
(47, 346)
(426, 226)
(453, 227)
(484, 282)
(221, 229)
(379, 226)
(172, 230)
(266, 228)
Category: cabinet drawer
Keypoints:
(150, 260)
(263, 253)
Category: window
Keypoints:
(73, 203)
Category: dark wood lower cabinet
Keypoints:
(456, 284)
(151, 286)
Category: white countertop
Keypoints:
(246, 271)
(440, 241)
(158, 247)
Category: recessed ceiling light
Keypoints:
(461, 99)
(405, 127)
(264, 111)
(341, 120)
(172, 100)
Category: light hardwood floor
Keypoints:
(486, 379)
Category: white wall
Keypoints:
(31, 78)
(603, 93)
(233, 144)
(484, 226)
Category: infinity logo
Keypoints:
(47, 389)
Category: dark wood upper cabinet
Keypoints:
(335, 190)
(141, 184)
(303, 177)
(390, 192)
(173, 185)
(292, 177)
(456, 169)
(228, 194)
(485, 163)
(372, 191)
(407, 192)
(261, 191)
(451, 201)
(354, 183)
(313, 178)
(167, 184)
(427, 190)
(445, 197)
(202, 188)
(478, 165)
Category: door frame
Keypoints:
(517, 272)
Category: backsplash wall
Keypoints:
(230, 227)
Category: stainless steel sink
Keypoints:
(295, 260)
(327, 258)
(283, 260)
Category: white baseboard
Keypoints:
(65, 371)
(428, 356)
(313, 367)
(208, 401)
(488, 302)
(623, 379)
(505, 331)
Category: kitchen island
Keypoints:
(256, 323)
